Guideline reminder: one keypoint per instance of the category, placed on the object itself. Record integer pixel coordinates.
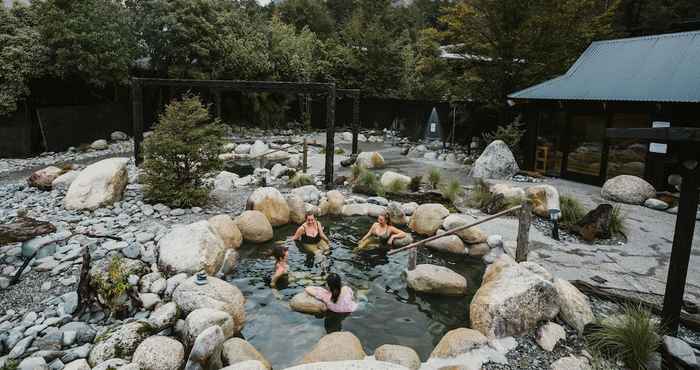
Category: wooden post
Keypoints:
(524, 220)
(412, 257)
(304, 157)
(137, 118)
(330, 136)
(682, 245)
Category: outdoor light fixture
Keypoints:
(554, 215)
(201, 278)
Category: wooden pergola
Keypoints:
(218, 86)
(687, 139)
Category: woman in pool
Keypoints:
(382, 233)
(338, 298)
(311, 236)
(281, 266)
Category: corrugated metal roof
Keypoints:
(660, 68)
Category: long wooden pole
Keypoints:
(452, 231)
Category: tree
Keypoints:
(646, 17)
(313, 14)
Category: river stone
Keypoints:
(118, 136)
(43, 178)
(242, 149)
(370, 160)
(507, 191)
(449, 244)
(33, 363)
(549, 334)
(680, 351)
(627, 189)
(308, 193)
(259, 148)
(254, 226)
(496, 162)
(399, 355)
(271, 203)
(297, 210)
(119, 342)
(389, 178)
(479, 250)
(237, 350)
(436, 280)
(571, 363)
(338, 346)
(472, 235)
(79, 364)
(574, 306)
(227, 230)
(247, 365)
(595, 224)
(457, 342)
(99, 184)
(396, 215)
(374, 210)
(63, 182)
(305, 303)
(215, 294)
(544, 198)
(159, 353)
(83, 331)
(190, 249)
(355, 209)
(225, 181)
(511, 300)
(202, 318)
(428, 218)
(656, 204)
(206, 351)
(367, 364)
(334, 203)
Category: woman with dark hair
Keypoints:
(311, 236)
(280, 253)
(382, 233)
(338, 298)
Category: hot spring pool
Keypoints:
(388, 313)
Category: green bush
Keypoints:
(618, 221)
(453, 190)
(300, 179)
(510, 134)
(434, 177)
(113, 288)
(369, 181)
(357, 171)
(572, 211)
(397, 186)
(181, 154)
(416, 181)
(631, 337)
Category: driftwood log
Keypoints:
(23, 229)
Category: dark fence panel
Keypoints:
(16, 135)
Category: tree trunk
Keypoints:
(24, 228)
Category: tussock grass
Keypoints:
(572, 211)
(452, 190)
(480, 194)
(415, 184)
(618, 221)
(434, 177)
(300, 179)
(397, 186)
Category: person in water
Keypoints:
(311, 236)
(281, 254)
(338, 298)
(381, 233)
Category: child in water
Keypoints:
(338, 298)
(281, 267)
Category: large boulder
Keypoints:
(627, 189)
(367, 364)
(595, 224)
(399, 355)
(338, 346)
(258, 149)
(202, 318)
(390, 177)
(507, 191)
(370, 160)
(225, 181)
(544, 198)
(511, 300)
(206, 351)
(159, 353)
(215, 294)
(43, 178)
(297, 210)
(119, 342)
(333, 204)
(63, 182)
(191, 248)
(496, 162)
(574, 306)
(271, 203)
(305, 303)
(449, 244)
(472, 235)
(99, 184)
(428, 218)
(355, 209)
(396, 214)
(237, 350)
(457, 342)
(254, 226)
(227, 230)
(308, 193)
(436, 280)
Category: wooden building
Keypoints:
(642, 82)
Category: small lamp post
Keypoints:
(554, 215)
(201, 278)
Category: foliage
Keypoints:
(369, 181)
(510, 134)
(339, 151)
(618, 221)
(113, 288)
(301, 179)
(313, 14)
(10, 364)
(631, 337)
(356, 171)
(434, 176)
(452, 190)
(182, 153)
(479, 195)
(396, 186)
(572, 211)
(416, 181)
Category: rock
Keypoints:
(355, 209)
(308, 193)
(479, 250)
(370, 160)
(449, 244)
(472, 235)
(247, 365)
(100, 144)
(20, 348)
(549, 334)
(496, 162)
(294, 162)
(258, 149)
(202, 318)
(595, 224)
(76, 353)
(374, 210)
(114, 363)
(227, 230)
(389, 178)
(494, 241)
(206, 351)
(33, 363)
(457, 342)
(80, 364)
(656, 204)
(338, 346)
(297, 211)
(305, 303)
(215, 294)
(544, 198)
(237, 350)
(99, 184)
(271, 203)
(680, 351)
(436, 280)
(574, 307)
(43, 178)
(571, 363)
(84, 332)
(334, 203)
(164, 316)
(159, 353)
(242, 149)
(627, 189)
(225, 181)
(63, 182)
(119, 342)
(191, 248)
(254, 226)
(69, 302)
(409, 208)
(278, 170)
(428, 218)
(118, 136)
(367, 364)
(507, 191)
(399, 355)
(149, 300)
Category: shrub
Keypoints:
(300, 179)
(357, 171)
(182, 153)
(434, 177)
(572, 211)
(369, 181)
(631, 337)
(416, 181)
(10, 364)
(480, 195)
(453, 190)
(509, 134)
(114, 287)
(397, 186)
(618, 221)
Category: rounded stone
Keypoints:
(159, 353)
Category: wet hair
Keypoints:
(334, 284)
(307, 214)
(386, 218)
(278, 252)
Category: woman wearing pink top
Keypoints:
(338, 298)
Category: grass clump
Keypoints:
(453, 190)
(339, 151)
(572, 211)
(397, 186)
(480, 195)
(357, 170)
(618, 221)
(631, 337)
(434, 177)
(182, 153)
(368, 182)
(10, 364)
(300, 179)
(415, 183)
(113, 285)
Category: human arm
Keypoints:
(369, 232)
(396, 233)
(298, 233)
(319, 293)
(323, 234)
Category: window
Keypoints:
(627, 156)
